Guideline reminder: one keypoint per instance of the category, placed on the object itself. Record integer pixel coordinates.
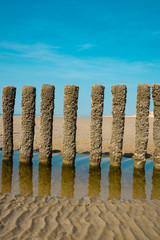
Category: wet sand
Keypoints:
(83, 134)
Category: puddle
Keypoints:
(79, 181)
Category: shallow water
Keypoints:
(81, 181)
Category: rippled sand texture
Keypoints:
(36, 218)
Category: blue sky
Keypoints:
(79, 42)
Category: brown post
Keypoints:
(118, 113)
(97, 95)
(46, 123)
(156, 125)
(8, 101)
(70, 123)
(28, 123)
(142, 124)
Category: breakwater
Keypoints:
(71, 92)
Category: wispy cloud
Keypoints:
(37, 64)
(49, 60)
(85, 46)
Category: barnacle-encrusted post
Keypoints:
(8, 101)
(97, 95)
(142, 124)
(118, 114)
(70, 123)
(156, 125)
(46, 123)
(28, 123)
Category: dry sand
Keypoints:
(28, 217)
(83, 134)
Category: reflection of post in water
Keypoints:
(155, 194)
(44, 186)
(139, 184)
(25, 178)
(94, 182)
(114, 182)
(67, 181)
(6, 177)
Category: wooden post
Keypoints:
(28, 123)
(142, 125)
(70, 123)
(118, 114)
(97, 95)
(156, 125)
(46, 123)
(8, 101)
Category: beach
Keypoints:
(37, 217)
(83, 134)
(42, 218)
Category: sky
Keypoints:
(79, 42)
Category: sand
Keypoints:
(42, 218)
(83, 134)
(29, 217)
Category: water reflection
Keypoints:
(139, 184)
(94, 182)
(6, 176)
(67, 181)
(115, 182)
(44, 186)
(25, 178)
(155, 194)
(39, 179)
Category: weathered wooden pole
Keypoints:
(142, 124)
(67, 180)
(139, 183)
(97, 95)
(94, 181)
(70, 123)
(28, 123)
(44, 186)
(25, 178)
(46, 123)
(8, 101)
(156, 125)
(114, 182)
(118, 113)
(6, 176)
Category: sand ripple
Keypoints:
(42, 218)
